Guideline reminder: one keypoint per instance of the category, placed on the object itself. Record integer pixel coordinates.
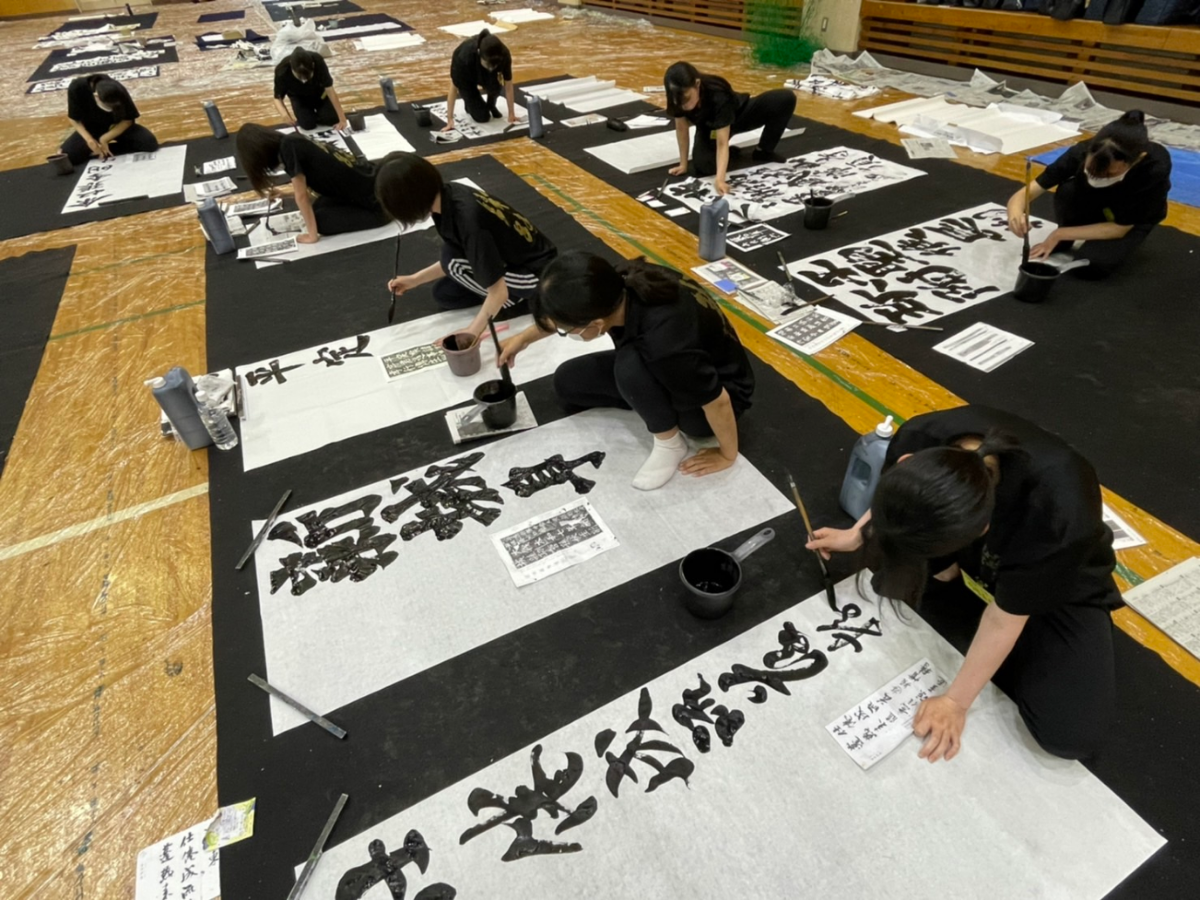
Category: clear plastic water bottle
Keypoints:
(866, 465)
(217, 423)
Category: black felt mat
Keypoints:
(453, 730)
(281, 13)
(33, 285)
(1113, 365)
(63, 63)
(379, 21)
(427, 732)
(34, 196)
(141, 22)
(223, 16)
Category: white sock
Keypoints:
(664, 459)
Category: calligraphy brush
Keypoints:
(504, 373)
(830, 594)
(1025, 248)
(789, 279)
(900, 325)
(662, 187)
(396, 270)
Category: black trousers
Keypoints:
(1104, 257)
(770, 111)
(1061, 672)
(336, 217)
(620, 379)
(134, 139)
(460, 290)
(478, 108)
(308, 119)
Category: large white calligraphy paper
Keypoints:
(128, 177)
(925, 271)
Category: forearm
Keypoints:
(1101, 231)
(994, 639)
(497, 296)
(283, 110)
(116, 131)
(336, 101)
(722, 153)
(451, 99)
(82, 131)
(429, 273)
(723, 423)
(304, 204)
(510, 96)
(681, 137)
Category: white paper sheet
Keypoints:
(556, 91)
(783, 813)
(878, 724)
(654, 151)
(324, 644)
(517, 16)
(588, 119)
(467, 29)
(179, 868)
(470, 129)
(775, 190)
(646, 121)
(553, 541)
(928, 148)
(983, 347)
(926, 271)
(127, 177)
(729, 275)
(274, 246)
(380, 138)
(474, 428)
(201, 190)
(599, 98)
(376, 42)
(319, 403)
(1171, 600)
(1124, 536)
(813, 329)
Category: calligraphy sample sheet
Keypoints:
(179, 868)
(773, 190)
(925, 271)
(471, 130)
(553, 541)
(813, 329)
(1124, 536)
(720, 775)
(1171, 600)
(300, 401)
(411, 552)
(128, 177)
(877, 725)
(983, 347)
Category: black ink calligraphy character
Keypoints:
(794, 661)
(965, 231)
(165, 856)
(519, 810)
(271, 372)
(639, 749)
(165, 874)
(895, 305)
(444, 486)
(876, 260)
(915, 240)
(317, 523)
(285, 531)
(387, 867)
(525, 482)
(946, 282)
(338, 356)
(832, 275)
(848, 635)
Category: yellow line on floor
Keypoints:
(123, 515)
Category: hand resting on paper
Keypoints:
(706, 461)
(940, 720)
(827, 541)
(721, 185)
(1045, 248)
(680, 169)
(307, 238)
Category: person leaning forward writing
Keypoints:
(976, 504)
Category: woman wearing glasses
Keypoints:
(676, 360)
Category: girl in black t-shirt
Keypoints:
(304, 79)
(677, 361)
(1013, 511)
(718, 111)
(1110, 192)
(481, 64)
(345, 187)
(492, 255)
(105, 120)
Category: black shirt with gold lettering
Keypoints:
(493, 236)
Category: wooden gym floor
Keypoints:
(107, 727)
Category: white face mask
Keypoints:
(1105, 182)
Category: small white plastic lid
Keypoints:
(885, 429)
(155, 382)
(201, 397)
